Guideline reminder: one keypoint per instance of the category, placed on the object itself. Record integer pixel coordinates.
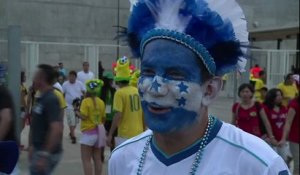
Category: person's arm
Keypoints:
(267, 124)
(53, 115)
(6, 119)
(286, 130)
(234, 111)
(233, 119)
(54, 136)
(115, 123)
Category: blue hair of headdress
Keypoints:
(207, 34)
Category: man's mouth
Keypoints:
(157, 109)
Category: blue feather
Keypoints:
(205, 26)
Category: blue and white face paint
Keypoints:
(170, 86)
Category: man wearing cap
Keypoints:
(185, 47)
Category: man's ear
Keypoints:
(211, 89)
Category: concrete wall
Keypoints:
(91, 21)
(263, 14)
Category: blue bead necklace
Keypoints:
(197, 160)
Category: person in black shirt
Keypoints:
(7, 116)
(46, 131)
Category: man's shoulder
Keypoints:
(133, 144)
(249, 145)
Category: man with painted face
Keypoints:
(185, 47)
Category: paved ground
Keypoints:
(71, 162)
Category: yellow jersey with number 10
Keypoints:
(127, 101)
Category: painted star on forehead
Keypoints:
(155, 85)
(181, 101)
(183, 87)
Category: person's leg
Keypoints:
(86, 156)
(72, 124)
(295, 153)
(97, 160)
(283, 151)
(54, 160)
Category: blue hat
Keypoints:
(9, 155)
(215, 30)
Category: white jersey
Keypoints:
(58, 86)
(73, 91)
(230, 151)
(83, 77)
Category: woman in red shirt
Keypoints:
(276, 114)
(246, 115)
(291, 131)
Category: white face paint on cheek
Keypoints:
(171, 93)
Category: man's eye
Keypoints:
(176, 75)
(148, 73)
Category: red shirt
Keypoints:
(277, 120)
(294, 132)
(247, 119)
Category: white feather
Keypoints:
(230, 10)
(166, 13)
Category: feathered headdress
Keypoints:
(215, 30)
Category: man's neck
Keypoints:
(86, 71)
(45, 89)
(175, 142)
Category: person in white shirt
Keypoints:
(185, 47)
(73, 89)
(85, 74)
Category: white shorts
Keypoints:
(71, 118)
(89, 139)
(94, 138)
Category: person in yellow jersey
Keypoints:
(259, 83)
(92, 114)
(135, 78)
(288, 88)
(128, 116)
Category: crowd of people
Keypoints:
(109, 113)
(271, 114)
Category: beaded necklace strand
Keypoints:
(197, 160)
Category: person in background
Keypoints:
(247, 114)
(61, 69)
(254, 71)
(73, 89)
(288, 88)
(135, 78)
(263, 92)
(92, 114)
(259, 83)
(291, 131)
(45, 150)
(224, 80)
(107, 95)
(7, 121)
(128, 117)
(276, 114)
(85, 74)
(23, 94)
(61, 79)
